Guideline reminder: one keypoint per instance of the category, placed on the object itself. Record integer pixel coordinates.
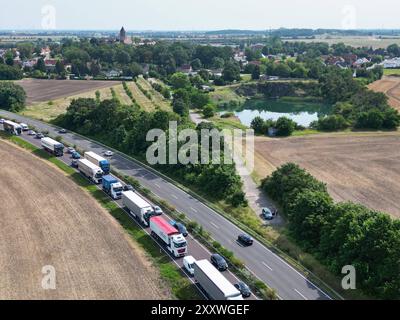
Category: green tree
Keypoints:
(209, 111)
(285, 126)
(231, 72)
(179, 80)
(40, 65)
(258, 125)
(12, 96)
(255, 75)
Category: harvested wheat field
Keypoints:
(38, 90)
(45, 219)
(364, 168)
(391, 87)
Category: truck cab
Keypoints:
(112, 187)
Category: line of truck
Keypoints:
(97, 169)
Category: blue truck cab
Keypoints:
(105, 166)
(112, 187)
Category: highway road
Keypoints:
(289, 283)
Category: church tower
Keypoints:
(122, 35)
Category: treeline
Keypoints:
(340, 234)
(355, 105)
(125, 128)
(90, 56)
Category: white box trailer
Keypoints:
(90, 170)
(214, 283)
(173, 239)
(53, 146)
(99, 161)
(138, 207)
(12, 127)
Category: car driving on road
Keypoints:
(180, 227)
(245, 239)
(219, 262)
(158, 211)
(62, 131)
(108, 153)
(76, 155)
(188, 263)
(244, 289)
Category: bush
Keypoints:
(332, 123)
(208, 111)
(285, 127)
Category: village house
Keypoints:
(391, 63)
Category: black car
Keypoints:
(245, 239)
(180, 227)
(128, 187)
(74, 163)
(244, 289)
(219, 262)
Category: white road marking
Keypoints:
(265, 265)
(214, 225)
(300, 294)
(174, 196)
(157, 185)
(194, 209)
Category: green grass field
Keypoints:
(391, 72)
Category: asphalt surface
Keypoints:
(289, 283)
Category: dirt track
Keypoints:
(47, 90)
(362, 168)
(391, 87)
(45, 219)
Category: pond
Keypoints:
(302, 112)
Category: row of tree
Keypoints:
(125, 128)
(340, 234)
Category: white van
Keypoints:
(188, 263)
(24, 126)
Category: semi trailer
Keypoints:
(12, 127)
(174, 241)
(91, 171)
(138, 207)
(112, 187)
(99, 161)
(214, 282)
(53, 146)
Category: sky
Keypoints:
(198, 14)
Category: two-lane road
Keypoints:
(267, 266)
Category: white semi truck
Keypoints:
(90, 170)
(12, 127)
(53, 146)
(173, 239)
(138, 207)
(214, 283)
(99, 161)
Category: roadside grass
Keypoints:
(181, 287)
